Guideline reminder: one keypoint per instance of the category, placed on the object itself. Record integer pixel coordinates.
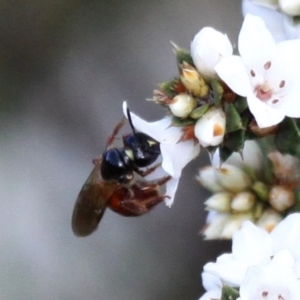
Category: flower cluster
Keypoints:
(259, 189)
(262, 265)
(220, 100)
(243, 107)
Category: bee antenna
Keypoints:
(130, 120)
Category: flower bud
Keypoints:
(269, 219)
(285, 167)
(210, 128)
(214, 225)
(290, 7)
(193, 81)
(182, 105)
(219, 202)
(243, 201)
(208, 47)
(232, 178)
(281, 198)
(233, 223)
(207, 178)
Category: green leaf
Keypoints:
(183, 56)
(217, 92)
(287, 139)
(178, 122)
(224, 153)
(229, 293)
(240, 104)
(168, 87)
(199, 111)
(235, 140)
(296, 20)
(233, 119)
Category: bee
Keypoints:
(112, 182)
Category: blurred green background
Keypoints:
(65, 68)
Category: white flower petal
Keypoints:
(171, 188)
(208, 47)
(256, 44)
(297, 267)
(252, 244)
(287, 235)
(160, 130)
(233, 72)
(212, 295)
(264, 114)
(287, 57)
(290, 103)
(272, 18)
(211, 282)
(275, 280)
(176, 157)
(231, 272)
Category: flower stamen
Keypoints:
(282, 83)
(263, 92)
(264, 294)
(218, 130)
(267, 65)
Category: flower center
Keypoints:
(263, 92)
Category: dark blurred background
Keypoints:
(65, 68)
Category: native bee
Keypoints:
(113, 184)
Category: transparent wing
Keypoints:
(91, 203)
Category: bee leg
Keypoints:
(139, 199)
(148, 171)
(140, 206)
(116, 130)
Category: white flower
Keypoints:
(266, 73)
(276, 280)
(175, 155)
(210, 128)
(263, 265)
(208, 47)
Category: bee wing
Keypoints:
(91, 203)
